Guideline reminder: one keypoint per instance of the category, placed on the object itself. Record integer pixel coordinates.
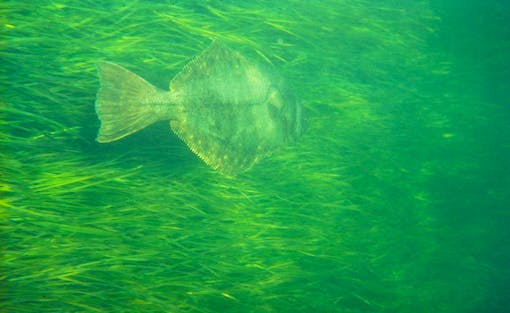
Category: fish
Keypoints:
(229, 110)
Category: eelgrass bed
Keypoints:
(349, 219)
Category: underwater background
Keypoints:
(396, 198)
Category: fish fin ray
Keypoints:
(122, 103)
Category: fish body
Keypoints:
(229, 110)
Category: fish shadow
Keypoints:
(155, 147)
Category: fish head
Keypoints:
(285, 108)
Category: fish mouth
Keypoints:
(300, 126)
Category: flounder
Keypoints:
(229, 110)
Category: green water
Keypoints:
(394, 200)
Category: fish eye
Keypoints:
(274, 98)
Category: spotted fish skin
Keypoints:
(229, 110)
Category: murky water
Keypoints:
(394, 200)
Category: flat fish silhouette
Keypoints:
(230, 111)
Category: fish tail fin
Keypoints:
(123, 102)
